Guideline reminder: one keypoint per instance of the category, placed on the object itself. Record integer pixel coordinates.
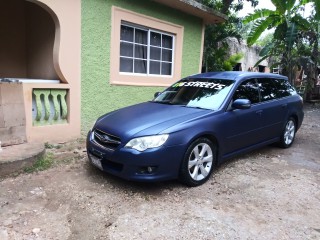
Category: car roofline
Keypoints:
(236, 75)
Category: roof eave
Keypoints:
(208, 15)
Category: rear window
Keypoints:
(275, 88)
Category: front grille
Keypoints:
(105, 140)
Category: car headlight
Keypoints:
(143, 143)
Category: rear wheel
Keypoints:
(288, 134)
(198, 162)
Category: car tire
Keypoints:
(198, 162)
(288, 134)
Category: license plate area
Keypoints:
(96, 161)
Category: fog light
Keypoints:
(147, 170)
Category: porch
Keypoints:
(39, 70)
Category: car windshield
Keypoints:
(197, 93)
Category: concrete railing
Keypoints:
(49, 106)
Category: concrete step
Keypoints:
(17, 157)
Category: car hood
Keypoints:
(146, 119)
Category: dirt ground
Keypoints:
(271, 193)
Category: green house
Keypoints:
(71, 61)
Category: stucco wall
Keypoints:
(26, 43)
(40, 31)
(251, 54)
(12, 114)
(97, 95)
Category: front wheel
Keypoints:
(288, 134)
(198, 162)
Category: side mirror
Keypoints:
(241, 104)
(156, 94)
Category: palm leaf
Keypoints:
(301, 23)
(290, 4)
(280, 6)
(259, 13)
(317, 8)
(291, 35)
(279, 32)
(304, 2)
(257, 63)
(266, 50)
(258, 28)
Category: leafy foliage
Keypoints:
(265, 40)
(294, 35)
(258, 28)
(294, 42)
(232, 61)
(267, 49)
(291, 35)
(216, 49)
(224, 6)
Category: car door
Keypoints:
(273, 106)
(243, 126)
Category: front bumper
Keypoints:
(156, 164)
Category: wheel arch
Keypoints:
(185, 175)
(211, 137)
(296, 120)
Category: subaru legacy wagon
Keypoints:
(194, 125)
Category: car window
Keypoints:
(247, 90)
(197, 93)
(274, 88)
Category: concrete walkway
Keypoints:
(17, 157)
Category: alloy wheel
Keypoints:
(289, 132)
(200, 161)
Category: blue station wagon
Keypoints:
(194, 125)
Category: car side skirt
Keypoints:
(247, 149)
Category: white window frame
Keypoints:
(148, 45)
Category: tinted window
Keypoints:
(274, 88)
(247, 90)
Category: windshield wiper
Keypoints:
(168, 103)
(197, 107)
(163, 102)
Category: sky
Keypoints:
(248, 9)
(264, 4)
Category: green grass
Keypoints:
(43, 163)
(51, 146)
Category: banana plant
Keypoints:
(265, 19)
(287, 23)
(291, 36)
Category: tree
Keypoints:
(288, 24)
(215, 47)
(229, 64)
(224, 6)
(280, 19)
(265, 40)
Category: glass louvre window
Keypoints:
(145, 51)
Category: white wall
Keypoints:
(251, 54)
